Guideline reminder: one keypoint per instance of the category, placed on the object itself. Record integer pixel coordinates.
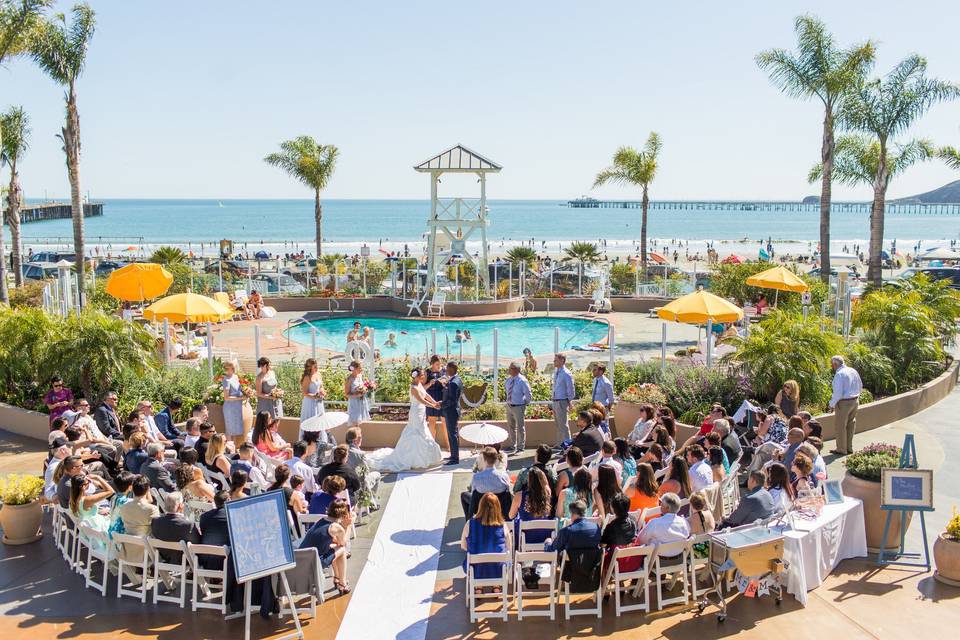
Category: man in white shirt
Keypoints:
(667, 528)
(301, 468)
(518, 397)
(845, 401)
(701, 475)
(563, 395)
(602, 387)
(607, 450)
(59, 449)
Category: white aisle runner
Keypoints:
(393, 595)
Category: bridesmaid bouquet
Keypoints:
(246, 387)
(369, 386)
(277, 393)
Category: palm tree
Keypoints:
(19, 20)
(168, 256)
(857, 161)
(14, 124)
(819, 69)
(637, 168)
(522, 255)
(583, 253)
(885, 108)
(313, 165)
(60, 49)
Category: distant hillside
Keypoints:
(947, 194)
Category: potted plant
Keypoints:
(946, 553)
(862, 481)
(627, 410)
(21, 514)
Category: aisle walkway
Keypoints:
(393, 596)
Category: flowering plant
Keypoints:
(647, 393)
(369, 386)
(18, 489)
(953, 527)
(214, 393)
(277, 393)
(867, 462)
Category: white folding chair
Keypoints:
(74, 542)
(196, 508)
(671, 560)
(589, 460)
(642, 575)
(660, 475)
(308, 560)
(698, 564)
(268, 463)
(98, 548)
(630, 483)
(503, 582)
(535, 558)
(552, 525)
(132, 553)
(307, 520)
(212, 582)
(649, 512)
(165, 572)
(568, 610)
(67, 534)
(215, 478)
(158, 498)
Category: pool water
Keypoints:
(413, 336)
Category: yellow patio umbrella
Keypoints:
(138, 282)
(780, 279)
(700, 307)
(187, 307)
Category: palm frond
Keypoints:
(951, 156)
(59, 49)
(305, 160)
(15, 125)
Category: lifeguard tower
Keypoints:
(454, 220)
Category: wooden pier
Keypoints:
(767, 206)
(58, 211)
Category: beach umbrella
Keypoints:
(483, 433)
(261, 255)
(732, 259)
(940, 253)
(187, 307)
(138, 282)
(325, 421)
(699, 307)
(780, 279)
(656, 257)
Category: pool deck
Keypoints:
(637, 338)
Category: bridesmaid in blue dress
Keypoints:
(311, 386)
(233, 400)
(353, 388)
(486, 532)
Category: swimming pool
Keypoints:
(413, 336)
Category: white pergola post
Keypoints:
(256, 342)
(611, 347)
(496, 366)
(663, 347)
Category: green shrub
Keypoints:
(867, 462)
(484, 412)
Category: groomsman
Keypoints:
(518, 397)
(602, 387)
(563, 395)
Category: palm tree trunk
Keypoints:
(71, 141)
(13, 219)
(318, 217)
(826, 157)
(643, 231)
(875, 266)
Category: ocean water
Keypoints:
(287, 225)
(413, 337)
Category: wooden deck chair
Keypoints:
(436, 306)
(535, 558)
(671, 560)
(212, 582)
(526, 526)
(568, 610)
(503, 583)
(164, 571)
(99, 549)
(132, 554)
(616, 577)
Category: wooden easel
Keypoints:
(908, 460)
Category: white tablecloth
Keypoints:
(813, 553)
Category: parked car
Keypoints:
(273, 283)
(53, 257)
(935, 273)
(39, 270)
(236, 268)
(107, 267)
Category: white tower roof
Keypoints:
(458, 158)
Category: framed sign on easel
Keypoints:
(261, 546)
(905, 489)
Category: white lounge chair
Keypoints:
(437, 303)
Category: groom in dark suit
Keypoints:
(450, 410)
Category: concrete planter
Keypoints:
(946, 555)
(216, 416)
(21, 522)
(874, 518)
(626, 415)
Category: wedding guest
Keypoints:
(589, 439)
(643, 428)
(106, 416)
(339, 467)
(788, 398)
(215, 458)
(580, 533)
(625, 459)
(602, 387)
(486, 532)
(301, 468)
(779, 487)
(622, 530)
(811, 448)
(357, 460)
(645, 492)
(699, 471)
(701, 519)
(214, 530)
(59, 399)
(654, 456)
(266, 439)
(206, 432)
(154, 470)
(87, 491)
(608, 485)
(138, 514)
(541, 462)
(677, 480)
(166, 421)
(245, 462)
(668, 527)
(581, 489)
(488, 480)
(757, 504)
(123, 495)
(608, 452)
(802, 472)
(238, 485)
(329, 538)
(330, 488)
(574, 459)
(173, 526)
(192, 433)
(191, 485)
(298, 501)
(533, 502)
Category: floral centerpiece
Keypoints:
(21, 514)
(867, 462)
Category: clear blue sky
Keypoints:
(185, 99)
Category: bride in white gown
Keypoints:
(416, 448)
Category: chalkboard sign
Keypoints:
(906, 488)
(259, 530)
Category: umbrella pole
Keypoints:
(709, 343)
(776, 297)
